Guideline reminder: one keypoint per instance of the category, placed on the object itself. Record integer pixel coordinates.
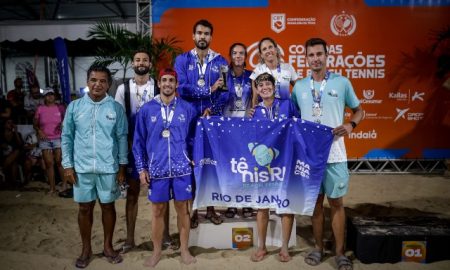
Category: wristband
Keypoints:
(353, 124)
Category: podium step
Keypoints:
(237, 232)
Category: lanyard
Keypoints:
(273, 111)
(317, 97)
(166, 115)
(238, 88)
(202, 67)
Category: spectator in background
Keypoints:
(15, 98)
(33, 156)
(32, 100)
(11, 146)
(47, 123)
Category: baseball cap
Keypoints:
(48, 90)
(167, 71)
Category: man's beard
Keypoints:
(201, 46)
(141, 70)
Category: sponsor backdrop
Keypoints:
(389, 49)
(260, 163)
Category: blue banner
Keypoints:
(63, 68)
(258, 163)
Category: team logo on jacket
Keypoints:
(278, 22)
(343, 24)
(182, 118)
(153, 118)
(111, 116)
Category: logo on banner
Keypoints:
(302, 168)
(400, 113)
(343, 24)
(369, 94)
(263, 156)
(418, 95)
(369, 135)
(253, 54)
(398, 96)
(242, 237)
(278, 22)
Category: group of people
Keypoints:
(146, 137)
(41, 147)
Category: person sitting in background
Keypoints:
(15, 98)
(11, 146)
(33, 156)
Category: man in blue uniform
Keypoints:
(162, 148)
(200, 81)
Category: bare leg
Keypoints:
(131, 210)
(158, 210)
(338, 223)
(85, 220)
(287, 221)
(109, 222)
(57, 154)
(183, 221)
(49, 168)
(262, 221)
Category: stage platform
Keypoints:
(237, 232)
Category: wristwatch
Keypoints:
(353, 124)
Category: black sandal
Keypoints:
(231, 212)
(214, 218)
(247, 212)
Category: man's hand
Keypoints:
(343, 130)
(70, 176)
(206, 112)
(121, 175)
(144, 177)
(218, 84)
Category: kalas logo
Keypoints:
(264, 157)
(253, 54)
(343, 24)
(278, 22)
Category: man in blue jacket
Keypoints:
(200, 81)
(162, 148)
(94, 148)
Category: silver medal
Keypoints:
(316, 110)
(238, 104)
(201, 82)
(165, 133)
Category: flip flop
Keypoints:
(314, 257)
(214, 218)
(231, 212)
(343, 263)
(113, 259)
(125, 248)
(284, 258)
(83, 263)
(247, 212)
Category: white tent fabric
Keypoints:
(45, 30)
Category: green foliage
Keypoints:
(123, 43)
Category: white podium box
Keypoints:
(208, 235)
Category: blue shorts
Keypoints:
(132, 173)
(335, 182)
(178, 188)
(50, 144)
(90, 186)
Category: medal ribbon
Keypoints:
(235, 83)
(318, 97)
(166, 115)
(271, 113)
